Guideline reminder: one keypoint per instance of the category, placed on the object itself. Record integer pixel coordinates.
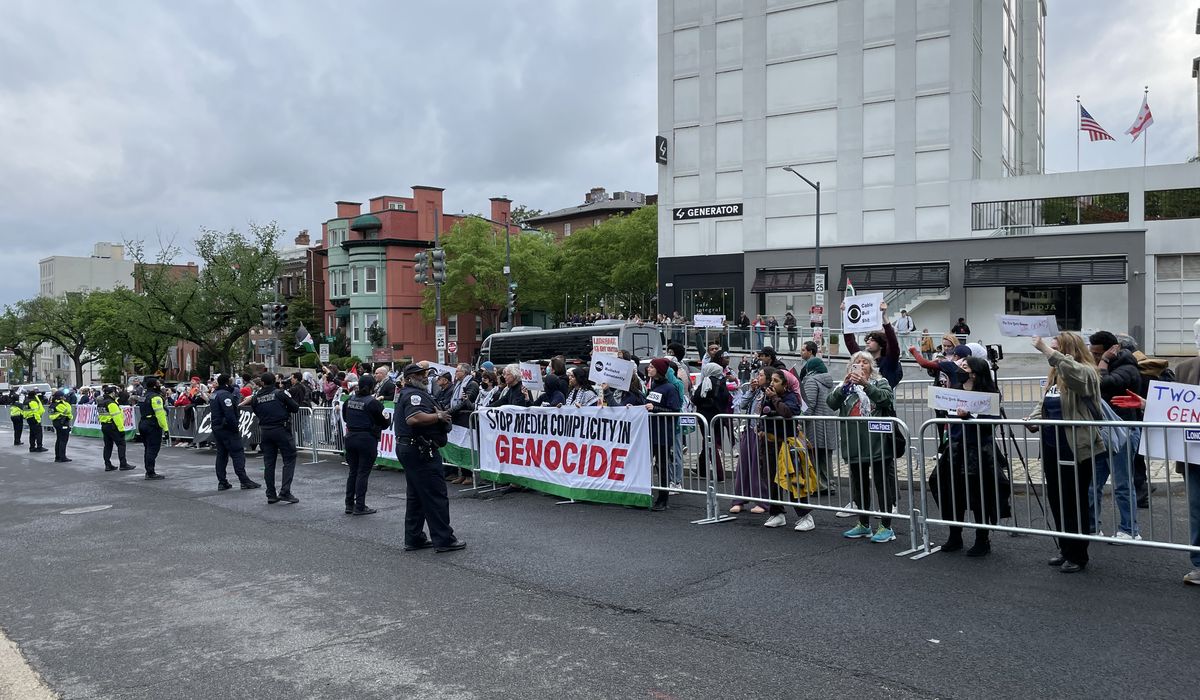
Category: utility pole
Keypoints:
(508, 275)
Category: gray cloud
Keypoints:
(139, 118)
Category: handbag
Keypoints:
(1114, 435)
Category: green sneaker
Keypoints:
(883, 534)
(857, 532)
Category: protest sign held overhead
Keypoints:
(709, 321)
(1171, 402)
(605, 344)
(950, 400)
(611, 370)
(531, 376)
(862, 313)
(1027, 326)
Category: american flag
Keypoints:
(1094, 130)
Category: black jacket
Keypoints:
(1122, 375)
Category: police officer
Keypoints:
(60, 416)
(421, 428)
(364, 418)
(152, 425)
(112, 427)
(227, 435)
(33, 411)
(274, 407)
(18, 417)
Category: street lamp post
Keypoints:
(508, 270)
(817, 294)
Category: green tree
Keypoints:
(217, 308)
(16, 335)
(475, 282)
(128, 326)
(68, 322)
(521, 213)
(617, 258)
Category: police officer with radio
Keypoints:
(225, 420)
(363, 415)
(112, 428)
(60, 417)
(152, 425)
(421, 429)
(274, 408)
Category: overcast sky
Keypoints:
(137, 119)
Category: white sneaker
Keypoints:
(844, 514)
(1192, 577)
(776, 521)
(674, 487)
(806, 523)
(1125, 536)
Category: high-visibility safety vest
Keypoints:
(61, 409)
(112, 414)
(15, 411)
(36, 408)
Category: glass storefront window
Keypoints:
(713, 301)
(1064, 303)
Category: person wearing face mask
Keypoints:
(870, 456)
(970, 474)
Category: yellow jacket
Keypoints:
(112, 414)
(61, 408)
(15, 410)
(34, 408)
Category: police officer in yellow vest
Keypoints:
(152, 426)
(18, 418)
(33, 411)
(112, 427)
(61, 415)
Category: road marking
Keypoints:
(17, 677)
(84, 509)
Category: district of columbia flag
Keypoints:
(1143, 121)
(304, 339)
(849, 288)
(1094, 130)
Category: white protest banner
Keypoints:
(604, 344)
(610, 370)
(531, 376)
(587, 454)
(708, 321)
(950, 400)
(87, 421)
(1170, 402)
(1027, 326)
(862, 313)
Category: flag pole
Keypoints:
(1079, 118)
(1146, 135)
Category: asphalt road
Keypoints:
(178, 591)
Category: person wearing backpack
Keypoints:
(1119, 373)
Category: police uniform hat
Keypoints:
(366, 383)
(414, 368)
(151, 382)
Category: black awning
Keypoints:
(930, 275)
(1109, 269)
(789, 280)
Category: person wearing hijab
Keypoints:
(818, 384)
(711, 398)
(661, 397)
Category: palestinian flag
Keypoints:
(304, 339)
(849, 287)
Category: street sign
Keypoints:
(660, 150)
(440, 338)
(324, 352)
(709, 212)
(820, 282)
(452, 347)
(819, 298)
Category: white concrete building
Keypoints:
(106, 268)
(923, 122)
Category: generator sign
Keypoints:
(710, 212)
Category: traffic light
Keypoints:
(438, 258)
(268, 315)
(421, 269)
(512, 299)
(281, 316)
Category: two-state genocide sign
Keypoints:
(591, 454)
(1171, 402)
(711, 211)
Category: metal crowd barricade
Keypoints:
(1071, 501)
(183, 423)
(749, 454)
(681, 460)
(323, 428)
